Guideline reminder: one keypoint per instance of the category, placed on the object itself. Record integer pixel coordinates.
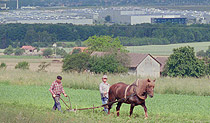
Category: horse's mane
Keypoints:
(140, 88)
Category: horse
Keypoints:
(134, 94)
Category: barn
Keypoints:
(144, 65)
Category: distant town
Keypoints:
(102, 15)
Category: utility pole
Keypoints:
(17, 4)
(55, 45)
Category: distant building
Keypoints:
(28, 49)
(144, 65)
(169, 20)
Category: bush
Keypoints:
(47, 52)
(3, 66)
(19, 51)
(61, 52)
(43, 66)
(22, 65)
(8, 51)
(76, 62)
(183, 63)
(106, 64)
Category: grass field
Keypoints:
(34, 103)
(166, 50)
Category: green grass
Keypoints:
(166, 50)
(165, 85)
(34, 103)
(19, 57)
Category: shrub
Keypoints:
(22, 65)
(184, 63)
(107, 63)
(47, 52)
(19, 51)
(9, 50)
(76, 62)
(43, 66)
(3, 66)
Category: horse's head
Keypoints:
(145, 87)
(150, 87)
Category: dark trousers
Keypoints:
(57, 104)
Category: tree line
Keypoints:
(42, 35)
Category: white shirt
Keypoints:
(104, 88)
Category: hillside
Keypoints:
(166, 50)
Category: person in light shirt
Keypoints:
(104, 89)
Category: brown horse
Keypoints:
(134, 94)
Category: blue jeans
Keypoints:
(57, 104)
(104, 101)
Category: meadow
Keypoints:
(166, 50)
(34, 103)
(25, 98)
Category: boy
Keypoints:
(56, 89)
(104, 89)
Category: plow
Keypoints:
(69, 107)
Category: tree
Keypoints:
(19, 51)
(106, 64)
(76, 62)
(9, 50)
(47, 52)
(61, 52)
(183, 63)
(103, 43)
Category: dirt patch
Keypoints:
(54, 66)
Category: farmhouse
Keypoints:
(28, 49)
(144, 65)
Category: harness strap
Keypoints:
(128, 87)
(126, 91)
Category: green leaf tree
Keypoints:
(183, 63)
(19, 51)
(9, 50)
(106, 64)
(76, 62)
(103, 43)
(47, 52)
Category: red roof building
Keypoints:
(28, 48)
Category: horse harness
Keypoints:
(135, 84)
(130, 86)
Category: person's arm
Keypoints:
(63, 91)
(100, 88)
(51, 89)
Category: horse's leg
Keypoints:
(111, 99)
(118, 108)
(145, 109)
(109, 107)
(131, 109)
